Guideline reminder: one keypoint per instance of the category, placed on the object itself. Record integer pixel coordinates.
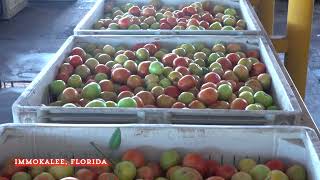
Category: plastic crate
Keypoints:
(244, 6)
(29, 109)
(225, 144)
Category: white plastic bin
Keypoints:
(243, 6)
(225, 144)
(28, 107)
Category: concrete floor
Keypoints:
(31, 38)
(35, 34)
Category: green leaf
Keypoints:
(115, 140)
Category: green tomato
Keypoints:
(195, 69)
(229, 22)
(151, 85)
(91, 91)
(215, 26)
(100, 76)
(125, 170)
(56, 87)
(75, 81)
(108, 49)
(224, 92)
(155, 26)
(263, 98)
(254, 107)
(142, 54)
(111, 104)
(96, 103)
(156, 67)
(200, 55)
(165, 82)
(69, 105)
(245, 88)
(227, 28)
(192, 27)
(159, 54)
(159, 16)
(134, 27)
(144, 26)
(167, 70)
(200, 62)
(179, 51)
(186, 97)
(121, 58)
(213, 58)
(127, 102)
(113, 26)
(215, 65)
(189, 48)
(207, 51)
(230, 11)
(248, 96)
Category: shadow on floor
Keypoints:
(28, 40)
(7, 98)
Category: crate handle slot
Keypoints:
(87, 117)
(220, 119)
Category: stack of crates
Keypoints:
(229, 129)
(29, 107)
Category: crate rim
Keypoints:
(78, 30)
(259, 38)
